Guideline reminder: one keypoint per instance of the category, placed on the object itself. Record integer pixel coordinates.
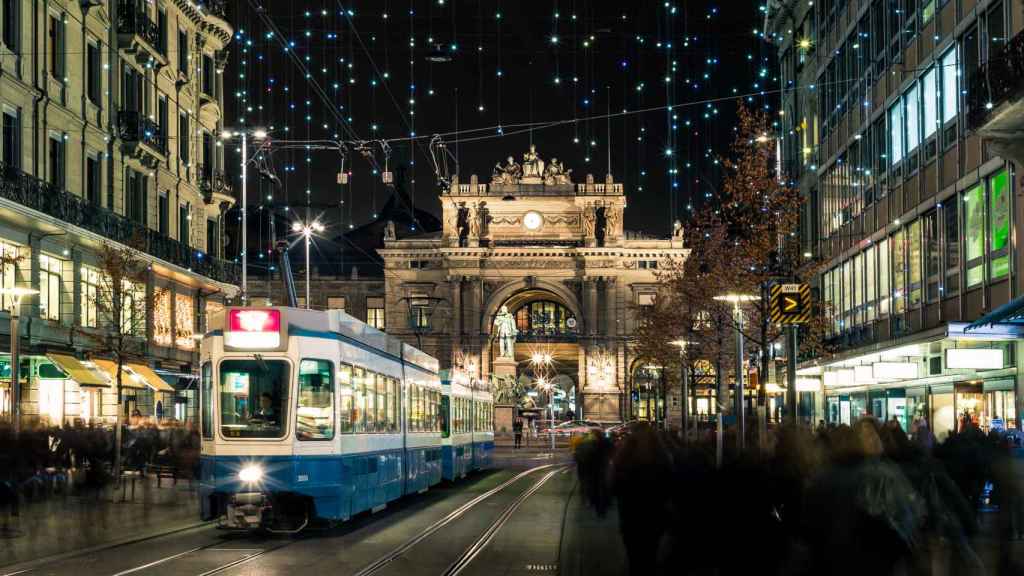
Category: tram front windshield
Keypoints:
(253, 398)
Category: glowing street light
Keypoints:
(737, 299)
(307, 231)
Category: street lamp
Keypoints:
(16, 294)
(258, 134)
(736, 300)
(684, 384)
(549, 387)
(307, 230)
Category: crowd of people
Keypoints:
(866, 499)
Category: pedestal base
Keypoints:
(503, 415)
(502, 367)
(601, 406)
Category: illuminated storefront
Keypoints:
(953, 378)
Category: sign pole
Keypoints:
(791, 352)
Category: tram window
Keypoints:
(346, 414)
(207, 400)
(358, 400)
(382, 404)
(393, 399)
(315, 413)
(253, 398)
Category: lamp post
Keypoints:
(684, 385)
(736, 299)
(258, 134)
(542, 360)
(307, 230)
(16, 295)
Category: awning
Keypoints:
(77, 371)
(110, 368)
(146, 373)
(1010, 313)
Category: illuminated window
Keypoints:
(50, 269)
(89, 289)
(162, 319)
(336, 303)
(184, 322)
(375, 312)
(544, 317)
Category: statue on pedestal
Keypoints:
(505, 333)
(510, 173)
(533, 166)
(555, 173)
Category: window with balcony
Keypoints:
(11, 15)
(164, 214)
(183, 52)
(57, 47)
(94, 80)
(58, 160)
(131, 89)
(375, 312)
(161, 31)
(135, 200)
(184, 217)
(51, 287)
(164, 119)
(211, 237)
(11, 137)
(183, 137)
(209, 86)
(93, 179)
(208, 158)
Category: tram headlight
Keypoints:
(251, 473)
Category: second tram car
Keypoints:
(313, 416)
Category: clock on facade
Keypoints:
(532, 220)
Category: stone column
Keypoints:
(590, 303)
(611, 324)
(455, 285)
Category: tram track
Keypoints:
(399, 551)
(478, 546)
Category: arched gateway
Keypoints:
(555, 255)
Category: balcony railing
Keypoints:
(213, 182)
(996, 81)
(133, 126)
(218, 8)
(131, 20)
(36, 194)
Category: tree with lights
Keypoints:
(121, 302)
(740, 242)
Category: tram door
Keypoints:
(446, 429)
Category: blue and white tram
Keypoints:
(310, 415)
(457, 430)
(483, 428)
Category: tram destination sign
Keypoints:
(790, 303)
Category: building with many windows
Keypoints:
(898, 124)
(109, 116)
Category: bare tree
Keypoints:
(120, 304)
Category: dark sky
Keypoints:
(611, 55)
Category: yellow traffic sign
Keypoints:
(790, 303)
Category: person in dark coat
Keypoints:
(517, 431)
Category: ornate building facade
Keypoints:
(110, 111)
(555, 255)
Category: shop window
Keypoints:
(89, 288)
(162, 324)
(999, 220)
(974, 225)
(184, 322)
(50, 287)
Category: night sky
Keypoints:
(511, 63)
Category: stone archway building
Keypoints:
(521, 238)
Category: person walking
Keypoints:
(517, 431)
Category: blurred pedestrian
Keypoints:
(517, 432)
